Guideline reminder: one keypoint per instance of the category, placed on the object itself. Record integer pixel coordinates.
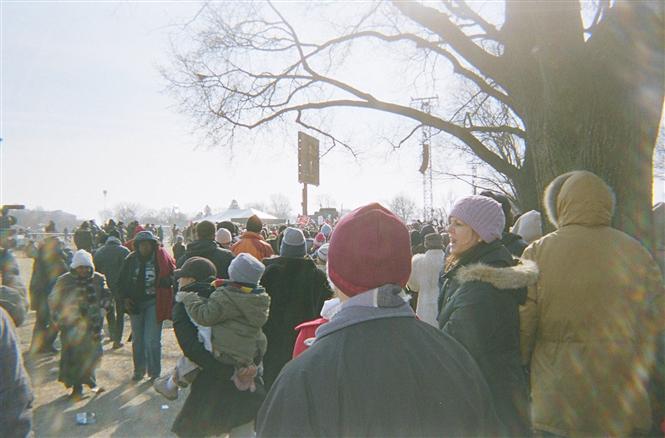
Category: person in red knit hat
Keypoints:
(375, 369)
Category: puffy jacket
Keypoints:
(254, 244)
(425, 272)
(588, 326)
(236, 315)
(480, 302)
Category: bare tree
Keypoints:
(577, 92)
(404, 207)
(325, 200)
(127, 212)
(172, 215)
(280, 206)
(257, 205)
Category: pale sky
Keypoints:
(83, 109)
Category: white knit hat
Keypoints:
(223, 236)
(82, 258)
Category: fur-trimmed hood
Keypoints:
(581, 198)
(506, 278)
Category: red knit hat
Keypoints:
(369, 247)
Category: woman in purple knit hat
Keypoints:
(481, 290)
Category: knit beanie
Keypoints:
(370, 247)
(293, 243)
(254, 224)
(319, 240)
(427, 229)
(433, 241)
(326, 229)
(82, 258)
(484, 215)
(529, 226)
(322, 253)
(229, 226)
(223, 236)
(198, 268)
(205, 230)
(245, 268)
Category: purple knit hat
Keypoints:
(484, 215)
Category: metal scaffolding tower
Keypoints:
(425, 104)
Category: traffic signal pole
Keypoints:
(304, 199)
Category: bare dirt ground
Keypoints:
(124, 409)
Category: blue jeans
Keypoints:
(146, 340)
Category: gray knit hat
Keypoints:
(245, 268)
(433, 241)
(293, 243)
(484, 215)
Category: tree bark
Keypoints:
(592, 105)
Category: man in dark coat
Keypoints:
(15, 391)
(108, 261)
(297, 290)
(52, 261)
(206, 247)
(83, 238)
(214, 405)
(374, 369)
(178, 248)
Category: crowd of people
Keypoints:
(366, 326)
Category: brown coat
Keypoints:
(588, 326)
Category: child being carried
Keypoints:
(229, 321)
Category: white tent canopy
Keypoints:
(240, 215)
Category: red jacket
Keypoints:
(165, 266)
(306, 331)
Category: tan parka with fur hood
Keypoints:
(588, 326)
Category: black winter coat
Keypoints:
(208, 249)
(108, 260)
(390, 377)
(214, 405)
(480, 299)
(297, 290)
(514, 243)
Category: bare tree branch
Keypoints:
(440, 24)
(507, 129)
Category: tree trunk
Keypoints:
(593, 105)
